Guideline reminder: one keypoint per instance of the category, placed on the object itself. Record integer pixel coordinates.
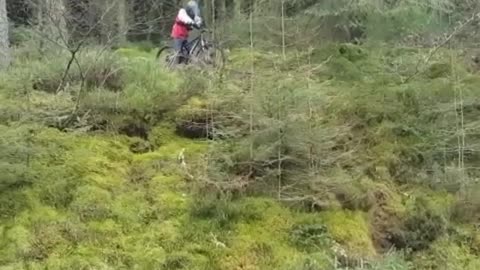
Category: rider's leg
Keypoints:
(177, 47)
(185, 50)
(186, 46)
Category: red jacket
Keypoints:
(180, 30)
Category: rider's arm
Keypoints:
(198, 20)
(183, 17)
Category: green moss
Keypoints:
(170, 146)
(169, 234)
(130, 207)
(92, 202)
(261, 242)
(136, 53)
(172, 203)
(103, 230)
(351, 230)
(17, 240)
(80, 258)
(195, 109)
(153, 258)
(40, 214)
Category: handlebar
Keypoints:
(194, 25)
(202, 29)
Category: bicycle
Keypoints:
(197, 51)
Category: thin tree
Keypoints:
(460, 121)
(252, 87)
(4, 43)
(283, 31)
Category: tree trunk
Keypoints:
(208, 12)
(4, 44)
(122, 21)
(223, 10)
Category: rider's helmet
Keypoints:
(192, 9)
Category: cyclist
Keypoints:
(187, 18)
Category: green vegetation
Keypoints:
(351, 153)
(106, 190)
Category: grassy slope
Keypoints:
(84, 201)
(134, 211)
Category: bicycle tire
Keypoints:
(169, 63)
(160, 51)
(219, 57)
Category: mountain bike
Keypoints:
(199, 51)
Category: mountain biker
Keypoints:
(187, 18)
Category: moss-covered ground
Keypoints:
(107, 189)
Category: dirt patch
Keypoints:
(194, 129)
(134, 129)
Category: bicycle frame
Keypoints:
(193, 45)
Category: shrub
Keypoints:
(438, 70)
(310, 236)
(103, 70)
(421, 228)
(12, 202)
(21, 35)
(444, 254)
(223, 213)
(467, 207)
(177, 261)
(193, 120)
(149, 89)
(352, 53)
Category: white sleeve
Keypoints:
(198, 20)
(183, 17)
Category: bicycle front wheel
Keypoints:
(211, 55)
(218, 56)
